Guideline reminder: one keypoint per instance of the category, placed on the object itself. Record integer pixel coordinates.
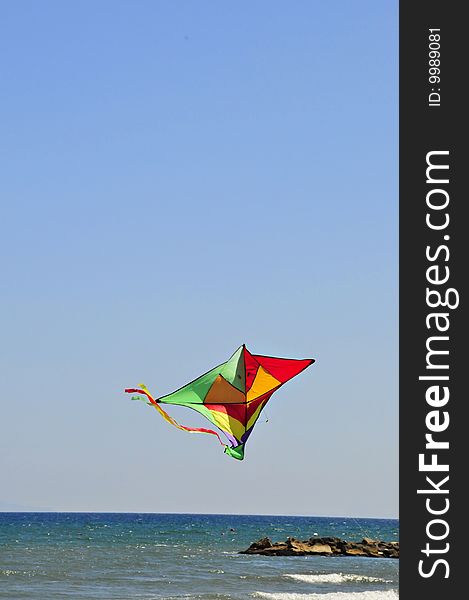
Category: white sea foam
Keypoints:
(336, 578)
(370, 595)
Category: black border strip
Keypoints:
(431, 568)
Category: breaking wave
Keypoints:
(336, 578)
(369, 595)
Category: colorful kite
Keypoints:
(231, 395)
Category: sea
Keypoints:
(87, 556)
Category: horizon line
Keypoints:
(142, 512)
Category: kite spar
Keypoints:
(231, 396)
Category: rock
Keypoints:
(319, 549)
(326, 546)
(259, 545)
(389, 549)
(369, 542)
(276, 550)
(372, 551)
(355, 552)
(331, 540)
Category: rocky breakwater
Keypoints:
(325, 546)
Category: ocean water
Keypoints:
(84, 556)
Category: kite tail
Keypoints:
(168, 418)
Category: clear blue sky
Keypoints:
(179, 178)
